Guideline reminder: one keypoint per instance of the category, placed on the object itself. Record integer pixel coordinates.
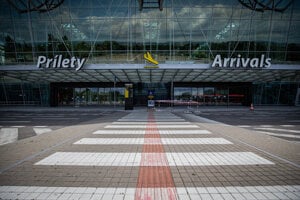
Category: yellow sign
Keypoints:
(149, 58)
(126, 94)
(151, 67)
(128, 91)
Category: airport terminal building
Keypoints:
(104, 52)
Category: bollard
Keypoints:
(251, 107)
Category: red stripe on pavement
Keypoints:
(152, 135)
(159, 175)
(153, 148)
(150, 177)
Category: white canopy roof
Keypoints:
(165, 73)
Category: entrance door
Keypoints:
(80, 96)
(158, 91)
(65, 96)
(86, 96)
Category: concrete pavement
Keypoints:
(281, 122)
(150, 155)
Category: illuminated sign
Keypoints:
(240, 62)
(148, 57)
(59, 62)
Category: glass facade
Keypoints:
(86, 94)
(215, 95)
(275, 93)
(95, 96)
(16, 92)
(159, 91)
(119, 32)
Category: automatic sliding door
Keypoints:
(94, 99)
(80, 96)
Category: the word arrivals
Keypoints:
(59, 62)
(238, 62)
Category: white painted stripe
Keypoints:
(194, 141)
(146, 120)
(108, 141)
(120, 132)
(14, 121)
(230, 192)
(215, 158)
(279, 129)
(287, 125)
(178, 126)
(40, 131)
(167, 141)
(244, 126)
(196, 131)
(134, 159)
(145, 123)
(8, 135)
(56, 118)
(164, 132)
(92, 159)
(17, 126)
(125, 126)
(144, 126)
(280, 135)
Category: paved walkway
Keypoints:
(282, 122)
(22, 123)
(150, 155)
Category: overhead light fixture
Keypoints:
(261, 5)
(35, 5)
(150, 4)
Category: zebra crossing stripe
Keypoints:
(161, 132)
(157, 123)
(40, 130)
(183, 126)
(187, 131)
(134, 159)
(139, 141)
(120, 132)
(280, 134)
(8, 135)
(274, 192)
(152, 136)
(278, 129)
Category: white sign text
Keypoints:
(261, 62)
(59, 62)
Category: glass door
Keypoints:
(94, 98)
(65, 96)
(80, 96)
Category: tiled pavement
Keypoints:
(281, 122)
(152, 155)
(20, 124)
